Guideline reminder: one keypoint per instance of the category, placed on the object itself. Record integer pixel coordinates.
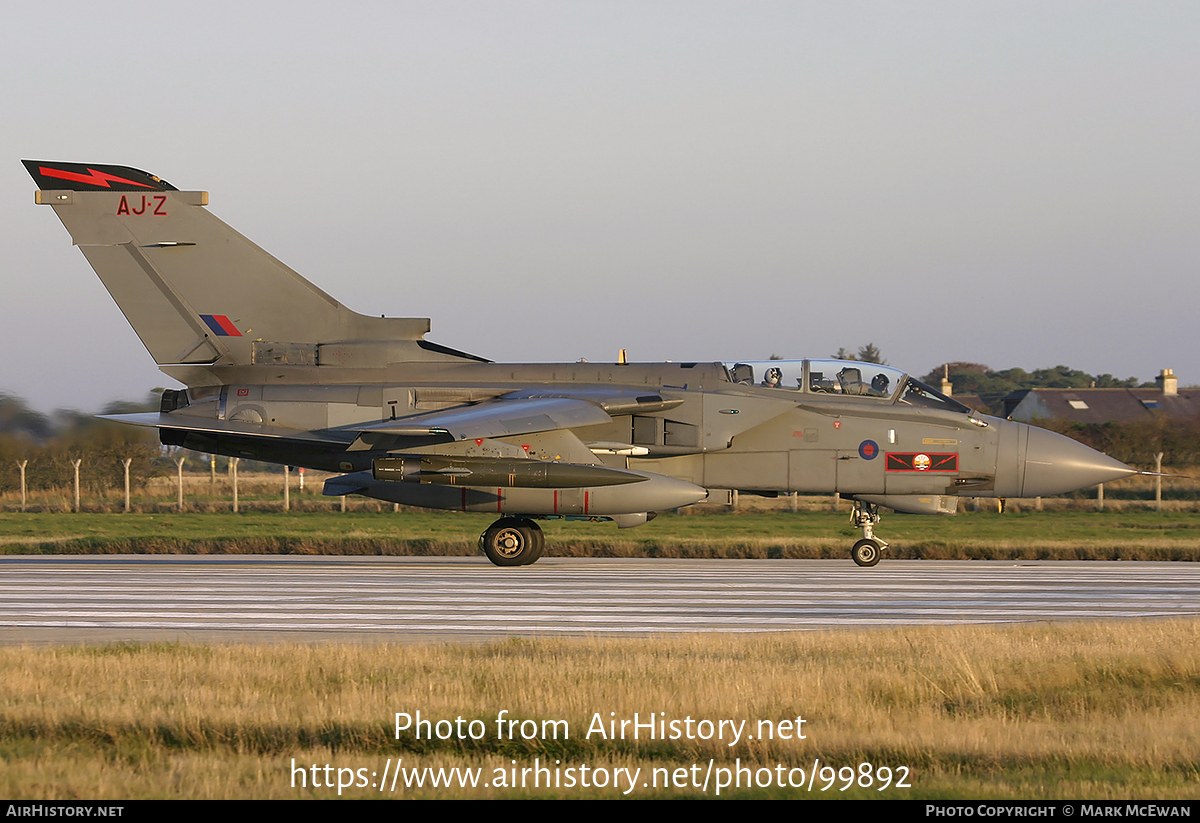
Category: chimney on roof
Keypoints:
(947, 386)
(1167, 382)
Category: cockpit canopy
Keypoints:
(841, 377)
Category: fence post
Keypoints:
(76, 463)
(1158, 481)
(233, 479)
(23, 464)
(179, 473)
(287, 482)
(1100, 498)
(127, 461)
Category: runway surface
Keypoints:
(73, 599)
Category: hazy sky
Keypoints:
(1016, 184)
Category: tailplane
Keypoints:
(198, 292)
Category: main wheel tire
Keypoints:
(511, 542)
(866, 552)
(539, 541)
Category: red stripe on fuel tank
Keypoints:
(556, 501)
(499, 500)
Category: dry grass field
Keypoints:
(1096, 710)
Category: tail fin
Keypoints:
(196, 291)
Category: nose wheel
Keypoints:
(869, 550)
(513, 541)
(866, 552)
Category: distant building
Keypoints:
(1104, 405)
(971, 401)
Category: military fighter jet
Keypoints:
(278, 370)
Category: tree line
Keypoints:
(994, 386)
(48, 445)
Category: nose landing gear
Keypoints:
(513, 541)
(866, 552)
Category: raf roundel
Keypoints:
(868, 450)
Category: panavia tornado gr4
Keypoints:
(278, 370)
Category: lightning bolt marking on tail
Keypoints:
(95, 178)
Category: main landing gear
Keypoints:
(866, 552)
(513, 541)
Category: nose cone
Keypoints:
(1055, 464)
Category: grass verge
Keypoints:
(1026, 535)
